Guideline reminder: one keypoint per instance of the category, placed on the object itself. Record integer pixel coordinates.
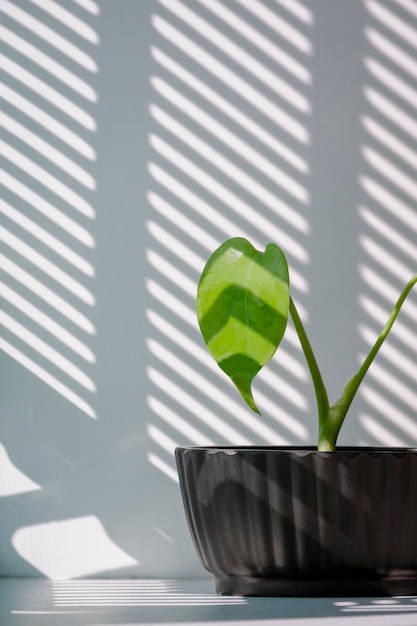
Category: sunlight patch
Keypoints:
(70, 548)
(12, 480)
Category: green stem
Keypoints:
(319, 388)
(356, 381)
(330, 426)
(331, 417)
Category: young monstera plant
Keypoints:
(243, 303)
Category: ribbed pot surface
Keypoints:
(295, 521)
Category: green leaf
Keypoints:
(242, 309)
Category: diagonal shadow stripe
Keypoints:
(231, 112)
(47, 279)
(388, 223)
(228, 160)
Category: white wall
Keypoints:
(159, 129)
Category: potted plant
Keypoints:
(292, 521)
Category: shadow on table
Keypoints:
(136, 601)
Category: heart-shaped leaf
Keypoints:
(242, 309)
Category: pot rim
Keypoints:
(300, 449)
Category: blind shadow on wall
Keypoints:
(231, 113)
(136, 140)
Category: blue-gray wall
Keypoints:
(138, 136)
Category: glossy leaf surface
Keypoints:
(242, 308)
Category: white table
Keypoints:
(38, 602)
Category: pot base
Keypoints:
(307, 587)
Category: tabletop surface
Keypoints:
(39, 602)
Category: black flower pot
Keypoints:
(298, 522)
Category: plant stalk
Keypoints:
(356, 381)
(319, 387)
(331, 417)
